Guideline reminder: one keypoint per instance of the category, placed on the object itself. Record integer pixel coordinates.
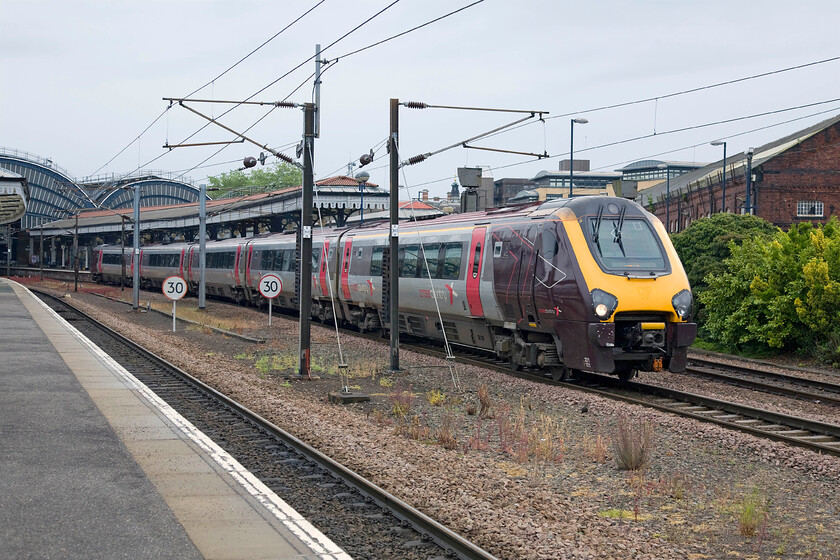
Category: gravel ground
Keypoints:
(534, 476)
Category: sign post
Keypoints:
(174, 288)
(270, 287)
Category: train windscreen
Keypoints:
(624, 246)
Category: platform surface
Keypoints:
(94, 465)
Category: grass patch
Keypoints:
(632, 443)
(622, 514)
(751, 513)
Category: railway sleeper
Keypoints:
(820, 439)
(794, 433)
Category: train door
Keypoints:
(526, 275)
(190, 263)
(236, 277)
(345, 269)
(248, 280)
(547, 274)
(181, 263)
(322, 273)
(474, 272)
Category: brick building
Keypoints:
(794, 179)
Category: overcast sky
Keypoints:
(80, 80)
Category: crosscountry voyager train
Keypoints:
(590, 283)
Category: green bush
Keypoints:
(778, 293)
(704, 246)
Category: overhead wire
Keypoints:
(667, 132)
(267, 41)
(376, 44)
(449, 14)
(207, 84)
(675, 94)
(395, 270)
(371, 18)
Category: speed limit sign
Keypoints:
(270, 286)
(174, 288)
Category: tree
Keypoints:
(279, 175)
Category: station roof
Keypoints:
(331, 193)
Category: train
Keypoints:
(590, 283)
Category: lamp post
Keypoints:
(572, 154)
(361, 178)
(723, 189)
(749, 154)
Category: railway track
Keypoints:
(356, 514)
(802, 432)
(762, 379)
(817, 436)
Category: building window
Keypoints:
(809, 209)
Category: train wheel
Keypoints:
(515, 363)
(560, 373)
(626, 373)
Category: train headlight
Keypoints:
(682, 303)
(603, 304)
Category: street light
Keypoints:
(723, 189)
(572, 154)
(361, 178)
(749, 154)
(667, 169)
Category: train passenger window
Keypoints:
(451, 261)
(316, 257)
(376, 261)
(431, 253)
(549, 244)
(408, 261)
(497, 249)
(476, 260)
(267, 259)
(289, 260)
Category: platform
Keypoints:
(94, 465)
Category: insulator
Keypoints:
(249, 162)
(287, 104)
(285, 158)
(416, 159)
(416, 105)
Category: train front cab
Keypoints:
(636, 300)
